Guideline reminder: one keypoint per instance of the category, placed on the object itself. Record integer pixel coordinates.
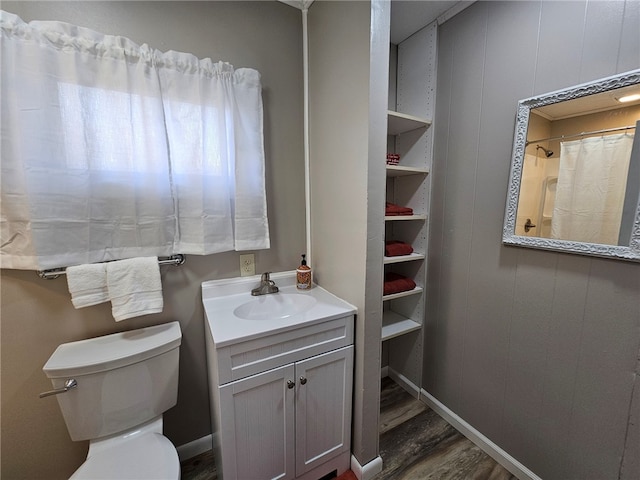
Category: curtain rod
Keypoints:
(561, 137)
(176, 260)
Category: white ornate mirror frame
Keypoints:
(509, 237)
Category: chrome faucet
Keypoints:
(266, 286)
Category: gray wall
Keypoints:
(348, 71)
(537, 350)
(37, 315)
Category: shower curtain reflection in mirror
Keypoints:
(585, 192)
(591, 204)
(590, 192)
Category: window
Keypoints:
(114, 150)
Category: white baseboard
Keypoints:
(490, 448)
(405, 383)
(368, 470)
(384, 372)
(194, 448)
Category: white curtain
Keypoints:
(113, 150)
(591, 188)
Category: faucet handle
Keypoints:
(265, 277)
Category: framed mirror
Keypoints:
(574, 184)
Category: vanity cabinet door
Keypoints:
(323, 407)
(257, 426)
(285, 422)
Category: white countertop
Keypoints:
(221, 297)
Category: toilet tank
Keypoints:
(124, 379)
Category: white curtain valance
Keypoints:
(113, 150)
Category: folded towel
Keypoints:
(391, 209)
(134, 287)
(395, 283)
(393, 248)
(87, 284)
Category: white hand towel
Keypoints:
(134, 287)
(87, 284)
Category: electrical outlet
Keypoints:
(247, 265)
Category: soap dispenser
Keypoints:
(303, 275)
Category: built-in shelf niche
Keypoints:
(399, 123)
(403, 258)
(408, 184)
(394, 322)
(394, 325)
(401, 171)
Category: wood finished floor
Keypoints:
(415, 444)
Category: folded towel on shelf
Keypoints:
(396, 283)
(392, 209)
(393, 248)
(134, 287)
(87, 284)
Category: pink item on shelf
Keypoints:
(393, 159)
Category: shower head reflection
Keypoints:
(547, 152)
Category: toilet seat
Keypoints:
(150, 456)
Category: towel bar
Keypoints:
(176, 260)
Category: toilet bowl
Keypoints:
(124, 384)
(150, 457)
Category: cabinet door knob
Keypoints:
(303, 380)
(290, 384)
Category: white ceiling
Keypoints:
(409, 16)
(600, 102)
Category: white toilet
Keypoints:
(124, 383)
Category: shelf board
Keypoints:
(403, 258)
(397, 218)
(399, 171)
(395, 325)
(398, 123)
(393, 296)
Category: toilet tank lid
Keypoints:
(112, 351)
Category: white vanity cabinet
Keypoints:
(285, 422)
(280, 391)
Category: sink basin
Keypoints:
(234, 316)
(274, 306)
